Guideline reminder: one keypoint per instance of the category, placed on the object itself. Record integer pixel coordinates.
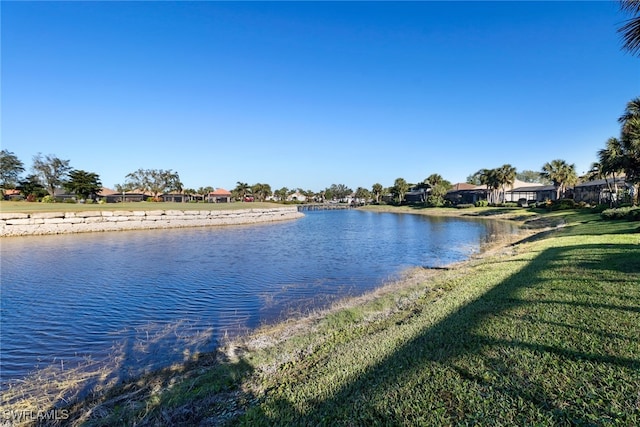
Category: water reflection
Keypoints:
(142, 300)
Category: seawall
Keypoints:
(42, 223)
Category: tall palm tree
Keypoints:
(241, 190)
(630, 142)
(400, 188)
(205, 191)
(506, 176)
(611, 159)
(631, 29)
(489, 177)
(561, 174)
(376, 189)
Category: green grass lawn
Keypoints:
(542, 332)
(26, 207)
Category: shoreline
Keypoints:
(407, 287)
(14, 224)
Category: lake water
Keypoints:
(150, 298)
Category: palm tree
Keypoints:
(261, 191)
(376, 189)
(241, 190)
(489, 177)
(205, 191)
(506, 175)
(611, 160)
(561, 174)
(400, 188)
(630, 143)
(631, 29)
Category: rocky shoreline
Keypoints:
(46, 223)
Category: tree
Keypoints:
(362, 194)
(631, 29)
(189, 192)
(561, 174)
(31, 186)
(83, 183)
(282, 193)
(506, 175)
(610, 162)
(630, 144)
(241, 190)
(376, 190)
(205, 191)
(261, 191)
(154, 181)
(400, 188)
(339, 191)
(489, 178)
(439, 187)
(51, 170)
(531, 176)
(10, 169)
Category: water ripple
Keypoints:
(154, 296)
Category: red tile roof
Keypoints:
(220, 192)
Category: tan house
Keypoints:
(220, 195)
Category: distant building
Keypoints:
(220, 195)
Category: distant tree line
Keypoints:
(620, 155)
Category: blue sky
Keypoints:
(302, 94)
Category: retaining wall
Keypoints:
(40, 223)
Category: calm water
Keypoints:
(150, 298)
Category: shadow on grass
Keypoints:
(522, 353)
(129, 385)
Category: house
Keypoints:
(603, 191)
(465, 193)
(12, 194)
(530, 193)
(297, 197)
(112, 196)
(416, 195)
(219, 195)
(175, 197)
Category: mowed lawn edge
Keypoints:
(542, 332)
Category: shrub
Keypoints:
(48, 199)
(481, 204)
(600, 208)
(563, 204)
(32, 198)
(634, 214)
(69, 200)
(465, 205)
(628, 212)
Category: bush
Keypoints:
(563, 204)
(634, 214)
(70, 201)
(628, 212)
(481, 204)
(32, 198)
(465, 205)
(48, 199)
(600, 208)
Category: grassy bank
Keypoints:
(545, 331)
(26, 207)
